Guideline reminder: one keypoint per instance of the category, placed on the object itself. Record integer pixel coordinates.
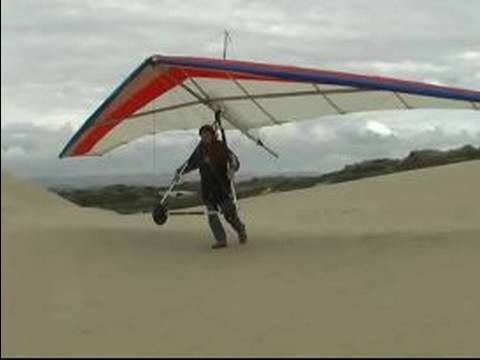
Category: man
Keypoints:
(216, 164)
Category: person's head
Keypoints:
(207, 134)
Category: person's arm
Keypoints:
(193, 162)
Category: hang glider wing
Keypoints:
(172, 93)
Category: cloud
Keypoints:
(308, 146)
(12, 153)
(401, 67)
(470, 55)
(379, 128)
(80, 59)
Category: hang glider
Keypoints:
(172, 93)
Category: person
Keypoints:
(216, 164)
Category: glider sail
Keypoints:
(173, 93)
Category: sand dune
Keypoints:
(381, 266)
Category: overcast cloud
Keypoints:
(61, 58)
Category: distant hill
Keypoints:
(105, 180)
(414, 160)
(128, 199)
(100, 181)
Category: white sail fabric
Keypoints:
(172, 93)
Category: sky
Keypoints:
(61, 58)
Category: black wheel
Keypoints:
(159, 214)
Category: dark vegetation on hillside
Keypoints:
(126, 199)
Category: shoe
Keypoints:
(219, 245)
(242, 236)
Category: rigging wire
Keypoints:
(259, 132)
(154, 134)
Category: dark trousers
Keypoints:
(230, 214)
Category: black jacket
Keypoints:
(215, 183)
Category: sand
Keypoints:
(381, 266)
